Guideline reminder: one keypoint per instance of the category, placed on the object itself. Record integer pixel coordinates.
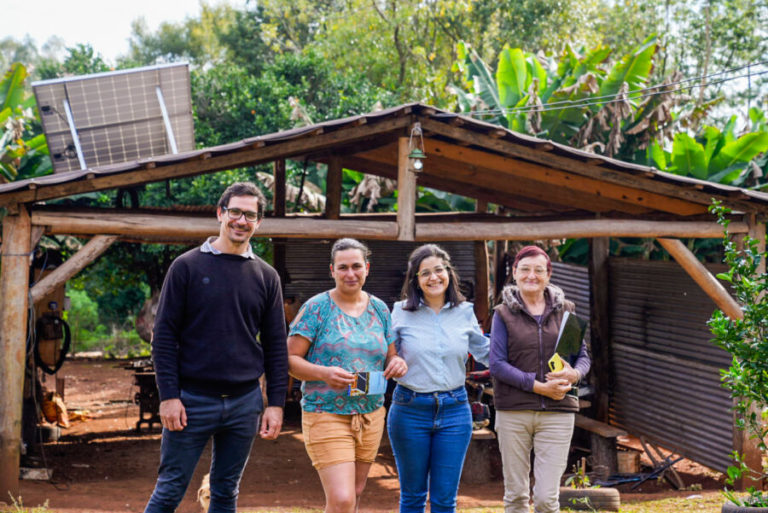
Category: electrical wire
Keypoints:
(678, 82)
(589, 101)
(586, 102)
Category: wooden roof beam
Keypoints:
(467, 189)
(157, 225)
(701, 275)
(195, 166)
(574, 229)
(502, 183)
(76, 263)
(140, 225)
(582, 168)
(556, 177)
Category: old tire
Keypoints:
(590, 498)
(730, 507)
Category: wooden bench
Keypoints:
(602, 438)
(478, 463)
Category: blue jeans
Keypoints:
(429, 434)
(233, 424)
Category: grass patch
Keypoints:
(707, 502)
(17, 506)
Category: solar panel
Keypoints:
(120, 116)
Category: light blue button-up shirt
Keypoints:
(435, 345)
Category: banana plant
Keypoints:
(564, 99)
(717, 156)
(23, 149)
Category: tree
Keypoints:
(195, 39)
(746, 340)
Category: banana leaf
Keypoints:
(11, 90)
(714, 142)
(742, 150)
(511, 76)
(732, 175)
(688, 157)
(657, 155)
(634, 69)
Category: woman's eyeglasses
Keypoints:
(538, 271)
(437, 271)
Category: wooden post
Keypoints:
(333, 189)
(600, 326)
(708, 283)
(742, 442)
(499, 269)
(406, 193)
(76, 263)
(14, 285)
(482, 311)
(278, 200)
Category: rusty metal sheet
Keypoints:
(307, 265)
(667, 380)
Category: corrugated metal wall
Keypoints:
(574, 280)
(307, 264)
(666, 369)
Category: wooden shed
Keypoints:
(544, 190)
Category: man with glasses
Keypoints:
(220, 325)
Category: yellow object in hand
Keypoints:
(555, 363)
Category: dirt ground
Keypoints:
(103, 465)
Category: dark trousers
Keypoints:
(232, 422)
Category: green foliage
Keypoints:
(119, 294)
(125, 343)
(718, 156)
(82, 316)
(115, 338)
(578, 479)
(81, 59)
(196, 40)
(564, 99)
(23, 149)
(634, 69)
(746, 340)
(432, 200)
(231, 103)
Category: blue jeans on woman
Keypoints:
(232, 421)
(429, 433)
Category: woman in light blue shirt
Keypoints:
(430, 422)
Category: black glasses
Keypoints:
(236, 213)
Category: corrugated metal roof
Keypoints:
(417, 109)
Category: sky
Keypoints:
(105, 24)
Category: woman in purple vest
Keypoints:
(534, 407)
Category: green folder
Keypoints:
(572, 331)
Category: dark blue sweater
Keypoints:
(220, 325)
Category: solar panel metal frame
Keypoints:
(118, 116)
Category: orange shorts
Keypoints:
(331, 438)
